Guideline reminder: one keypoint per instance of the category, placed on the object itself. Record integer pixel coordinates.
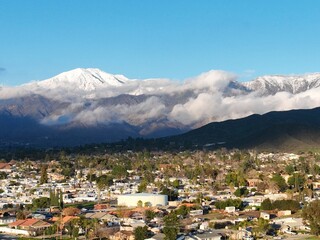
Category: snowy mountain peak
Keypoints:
(271, 84)
(87, 79)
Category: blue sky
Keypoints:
(174, 39)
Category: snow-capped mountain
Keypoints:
(89, 79)
(270, 85)
(86, 99)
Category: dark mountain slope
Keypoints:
(274, 130)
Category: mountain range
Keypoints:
(286, 130)
(88, 105)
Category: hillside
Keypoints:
(288, 130)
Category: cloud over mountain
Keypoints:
(89, 97)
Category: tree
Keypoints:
(20, 215)
(149, 214)
(241, 192)
(171, 226)
(119, 171)
(3, 175)
(104, 181)
(75, 232)
(266, 204)
(140, 233)
(142, 186)
(237, 203)
(183, 210)
(61, 199)
(172, 195)
(70, 211)
(235, 179)
(175, 183)
(292, 205)
(280, 182)
(311, 213)
(42, 202)
(139, 203)
(290, 169)
(262, 226)
(54, 197)
(43, 174)
(296, 181)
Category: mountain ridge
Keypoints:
(148, 107)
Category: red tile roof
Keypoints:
(27, 223)
(24, 223)
(5, 166)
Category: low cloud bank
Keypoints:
(206, 102)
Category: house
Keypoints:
(164, 167)
(316, 185)
(253, 182)
(5, 167)
(207, 236)
(198, 212)
(290, 224)
(102, 216)
(230, 209)
(159, 236)
(63, 220)
(122, 235)
(7, 219)
(101, 206)
(265, 216)
(284, 213)
(32, 225)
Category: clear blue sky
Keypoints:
(148, 38)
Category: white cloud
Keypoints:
(206, 102)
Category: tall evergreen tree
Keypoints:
(43, 174)
(171, 226)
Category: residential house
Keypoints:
(5, 167)
(253, 182)
(122, 235)
(32, 225)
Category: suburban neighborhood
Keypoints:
(159, 195)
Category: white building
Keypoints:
(131, 200)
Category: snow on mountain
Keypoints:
(93, 97)
(271, 84)
(88, 79)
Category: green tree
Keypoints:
(311, 213)
(3, 175)
(279, 180)
(183, 210)
(172, 195)
(140, 233)
(54, 198)
(262, 226)
(43, 174)
(175, 183)
(290, 169)
(171, 226)
(139, 203)
(142, 186)
(42, 202)
(237, 203)
(61, 199)
(296, 181)
(20, 215)
(292, 205)
(241, 192)
(75, 232)
(149, 214)
(104, 181)
(119, 171)
(266, 204)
